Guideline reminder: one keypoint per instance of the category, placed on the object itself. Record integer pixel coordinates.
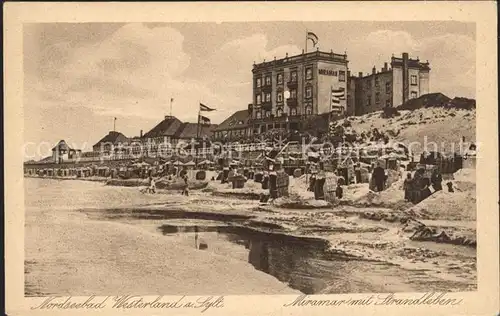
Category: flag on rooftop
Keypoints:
(204, 120)
(311, 36)
(205, 108)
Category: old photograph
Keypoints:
(249, 157)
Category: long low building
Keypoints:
(169, 133)
(234, 127)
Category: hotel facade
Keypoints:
(288, 89)
(392, 86)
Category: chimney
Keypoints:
(250, 109)
(360, 74)
(385, 67)
(374, 70)
(140, 133)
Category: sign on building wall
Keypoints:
(328, 72)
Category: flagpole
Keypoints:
(171, 100)
(114, 124)
(197, 135)
(306, 40)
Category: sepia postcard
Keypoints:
(288, 158)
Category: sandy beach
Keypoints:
(69, 254)
(88, 238)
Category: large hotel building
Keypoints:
(390, 87)
(288, 90)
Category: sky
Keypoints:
(79, 76)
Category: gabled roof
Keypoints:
(188, 130)
(62, 145)
(167, 127)
(237, 120)
(113, 138)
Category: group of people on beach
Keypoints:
(183, 174)
(419, 187)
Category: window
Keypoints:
(258, 97)
(309, 73)
(279, 96)
(257, 114)
(268, 80)
(258, 83)
(308, 110)
(268, 113)
(268, 97)
(369, 101)
(414, 94)
(279, 112)
(279, 78)
(387, 87)
(377, 97)
(377, 82)
(341, 75)
(309, 92)
(387, 103)
(413, 80)
(293, 76)
(293, 94)
(293, 111)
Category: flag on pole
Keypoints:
(205, 108)
(171, 99)
(204, 120)
(311, 36)
(337, 95)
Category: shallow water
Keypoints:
(305, 264)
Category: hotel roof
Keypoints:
(237, 120)
(304, 57)
(167, 127)
(412, 63)
(188, 130)
(114, 138)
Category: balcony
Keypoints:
(267, 105)
(292, 84)
(267, 88)
(291, 102)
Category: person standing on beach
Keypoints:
(185, 190)
(357, 172)
(152, 185)
(407, 187)
(196, 237)
(436, 180)
(379, 177)
(339, 192)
